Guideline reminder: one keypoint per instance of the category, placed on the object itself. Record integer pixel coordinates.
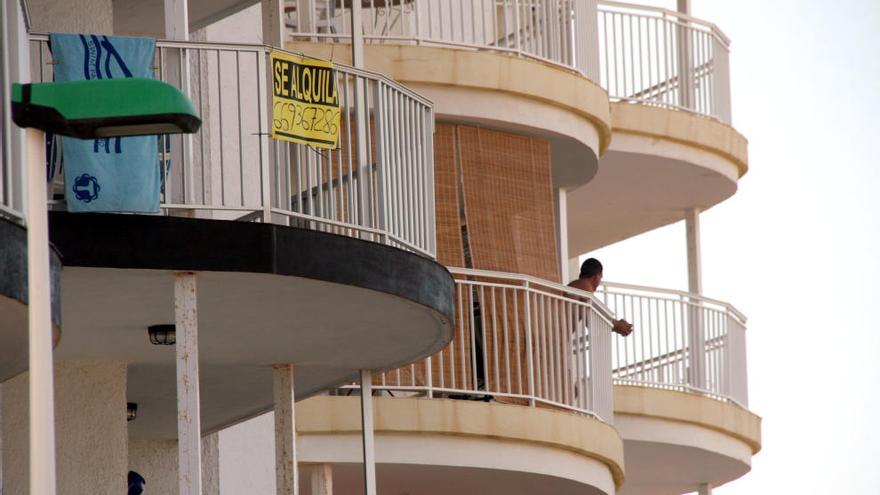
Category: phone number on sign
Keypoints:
(293, 117)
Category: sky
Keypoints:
(797, 248)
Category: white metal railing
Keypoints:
(681, 341)
(379, 188)
(661, 57)
(541, 29)
(518, 339)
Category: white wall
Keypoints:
(90, 429)
(247, 457)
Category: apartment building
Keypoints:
(408, 289)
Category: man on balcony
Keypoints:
(589, 279)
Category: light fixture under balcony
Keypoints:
(131, 411)
(162, 334)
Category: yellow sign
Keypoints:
(305, 101)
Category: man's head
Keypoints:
(591, 272)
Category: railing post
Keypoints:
(601, 384)
(381, 156)
(721, 79)
(586, 37)
(739, 388)
(685, 59)
(177, 28)
(530, 356)
(517, 24)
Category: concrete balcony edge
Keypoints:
(682, 127)
(563, 430)
(482, 70)
(724, 417)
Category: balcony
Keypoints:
(530, 347)
(681, 390)
(530, 362)
(640, 54)
(674, 150)
(232, 170)
(296, 249)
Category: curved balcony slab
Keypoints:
(660, 163)
(267, 294)
(14, 299)
(474, 447)
(675, 441)
(501, 92)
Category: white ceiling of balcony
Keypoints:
(146, 17)
(247, 323)
(633, 193)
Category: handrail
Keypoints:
(660, 57)
(380, 190)
(683, 294)
(521, 340)
(682, 341)
(544, 30)
(687, 19)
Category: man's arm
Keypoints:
(622, 327)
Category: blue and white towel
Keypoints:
(108, 174)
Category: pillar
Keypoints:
(367, 431)
(694, 258)
(189, 453)
(286, 476)
(696, 335)
(562, 231)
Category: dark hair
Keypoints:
(590, 267)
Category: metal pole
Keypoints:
(286, 473)
(704, 488)
(189, 445)
(367, 431)
(695, 314)
(694, 258)
(40, 365)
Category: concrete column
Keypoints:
(367, 431)
(286, 476)
(321, 479)
(705, 488)
(189, 452)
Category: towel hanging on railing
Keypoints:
(109, 174)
